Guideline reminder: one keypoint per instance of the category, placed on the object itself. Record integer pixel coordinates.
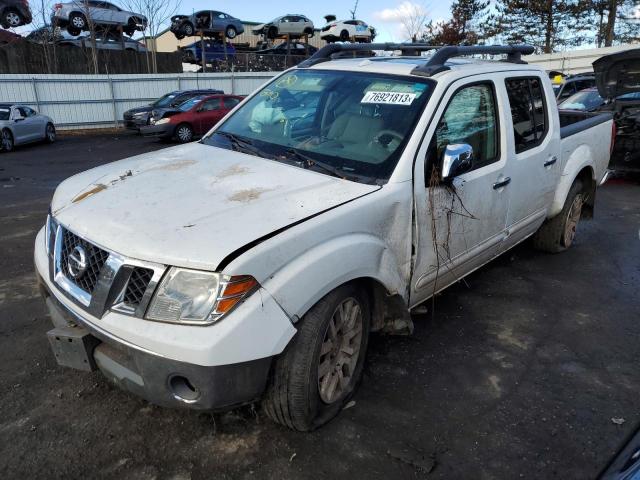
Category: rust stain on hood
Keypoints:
(248, 195)
(96, 189)
(173, 166)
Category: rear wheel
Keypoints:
(558, 234)
(188, 30)
(7, 140)
(50, 135)
(344, 36)
(77, 21)
(231, 32)
(322, 366)
(11, 18)
(184, 133)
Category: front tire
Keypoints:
(322, 366)
(50, 133)
(231, 32)
(188, 30)
(11, 18)
(344, 36)
(77, 22)
(184, 133)
(558, 234)
(6, 141)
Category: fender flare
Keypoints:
(303, 281)
(581, 158)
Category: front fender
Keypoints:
(580, 158)
(304, 280)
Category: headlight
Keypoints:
(140, 114)
(50, 229)
(162, 120)
(197, 297)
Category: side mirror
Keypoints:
(456, 160)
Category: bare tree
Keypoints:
(158, 14)
(413, 17)
(355, 9)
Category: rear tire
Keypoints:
(344, 36)
(231, 32)
(188, 30)
(557, 234)
(11, 18)
(184, 133)
(6, 141)
(321, 368)
(77, 22)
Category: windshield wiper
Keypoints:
(308, 162)
(243, 145)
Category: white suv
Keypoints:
(78, 15)
(286, 25)
(345, 30)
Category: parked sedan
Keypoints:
(140, 116)
(20, 124)
(193, 118)
(14, 13)
(294, 25)
(77, 15)
(345, 30)
(213, 51)
(297, 48)
(209, 22)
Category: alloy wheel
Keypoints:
(78, 22)
(13, 19)
(231, 32)
(573, 217)
(185, 134)
(340, 351)
(7, 141)
(51, 133)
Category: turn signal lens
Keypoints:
(233, 292)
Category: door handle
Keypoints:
(551, 161)
(502, 183)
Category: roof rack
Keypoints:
(435, 64)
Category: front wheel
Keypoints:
(184, 133)
(322, 366)
(188, 30)
(231, 32)
(558, 234)
(344, 36)
(50, 134)
(11, 19)
(77, 21)
(7, 140)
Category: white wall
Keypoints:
(93, 101)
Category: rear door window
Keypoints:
(528, 111)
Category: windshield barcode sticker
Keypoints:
(389, 98)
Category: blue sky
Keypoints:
(382, 14)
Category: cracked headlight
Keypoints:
(197, 297)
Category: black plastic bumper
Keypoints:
(164, 381)
(165, 130)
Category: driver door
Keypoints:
(461, 221)
(20, 127)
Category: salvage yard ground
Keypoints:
(517, 373)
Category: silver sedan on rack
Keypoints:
(20, 124)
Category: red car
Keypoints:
(191, 119)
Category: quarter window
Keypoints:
(528, 111)
(470, 118)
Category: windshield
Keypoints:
(585, 100)
(4, 113)
(164, 100)
(189, 104)
(354, 122)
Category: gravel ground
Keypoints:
(516, 373)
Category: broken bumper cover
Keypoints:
(210, 368)
(165, 130)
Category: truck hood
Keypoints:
(618, 73)
(193, 205)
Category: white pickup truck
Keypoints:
(253, 264)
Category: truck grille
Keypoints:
(137, 285)
(95, 259)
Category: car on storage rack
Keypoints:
(293, 25)
(137, 117)
(14, 13)
(345, 30)
(104, 41)
(295, 48)
(209, 22)
(192, 119)
(213, 51)
(20, 124)
(78, 15)
(254, 264)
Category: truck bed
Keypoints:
(575, 121)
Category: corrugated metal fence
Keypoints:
(92, 101)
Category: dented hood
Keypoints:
(193, 205)
(618, 73)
